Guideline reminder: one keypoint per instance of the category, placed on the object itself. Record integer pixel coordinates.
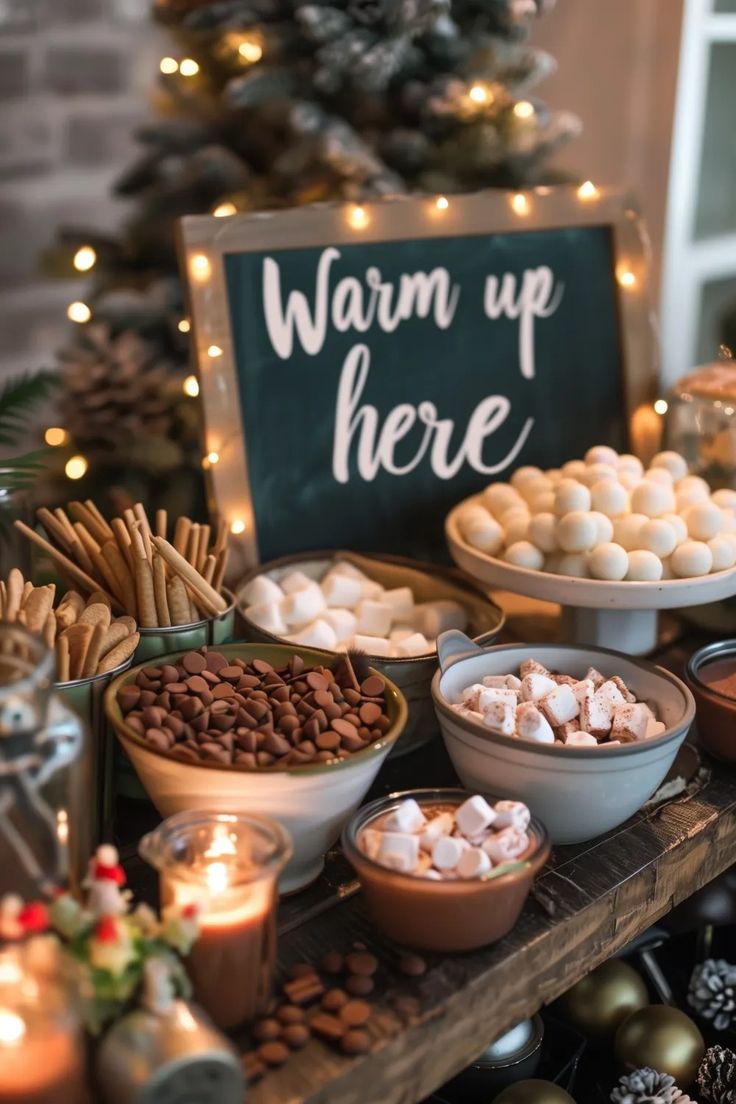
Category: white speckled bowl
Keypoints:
(577, 792)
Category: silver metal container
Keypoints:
(512, 1057)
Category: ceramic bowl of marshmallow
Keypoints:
(390, 608)
(445, 870)
(581, 787)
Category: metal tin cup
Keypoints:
(209, 631)
(512, 1057)
(85, 696)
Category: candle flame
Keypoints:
(12, 1028)
(217, 877)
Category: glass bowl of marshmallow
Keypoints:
(389, 608)
(444, 869)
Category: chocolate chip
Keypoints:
(261, 666)
(230, 672)
(296, 1035)
(369, 713)
(304, 990)
(333, 1000)
(406, 1006)
(327, 1026)
(332, 962)
(264, 1030)
(355, 1013)
(362, 963)
(355, 1042)
(128, 697)
(327, 741)
(316, 681)
(413, 965)
(193, 662)
(253, 1067)
(373, 686)
(273, 1053)
(290, 1014)
(359, 986)
(301, 969)
(215, 661)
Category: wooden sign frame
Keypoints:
(206, 240)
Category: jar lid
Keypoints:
(714, 381)
(513, 1046)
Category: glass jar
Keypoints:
(701, 422)
(43, 822)
(15, 550)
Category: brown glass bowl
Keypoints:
(442, 916)
(716, 713)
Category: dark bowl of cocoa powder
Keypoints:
(711, 675)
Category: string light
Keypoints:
(442, 203)
(626, 278)
(168, 65)
(191, 387)
(661, 406)
(200, 266)
(588, 190)
(78, 312)
(520, 204)
(237, 526)
(184, 325)
(12, 1028)
(214, 351)
(358, 218)
(75, 467)
(250, 51)
(212, 457)
(188, 67)
(523, 109)
(480, 94)
(223, 210)
(84, 258)
(55, 436)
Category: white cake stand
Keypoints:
(622, 616)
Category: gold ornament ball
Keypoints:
(663, 1038)
(604, 998)
(534, 1092)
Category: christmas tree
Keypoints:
(267, 104)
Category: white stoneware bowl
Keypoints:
(312, 802)
(577, 792)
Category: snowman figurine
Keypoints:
(104, 882)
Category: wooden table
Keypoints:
(588, 903)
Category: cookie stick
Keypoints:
(159, 591)
(220, 569)
(161, 523)
(104, 525)
(81, 578)
(122, 536)
(62, 658)
(178, 601)
(123, 575)
(82, 513)
(147, 616)
(56, 529)
(145, 529)
(176, 561)
(202, 547)
(181, 534)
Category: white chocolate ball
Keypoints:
(604, 527)
(571, 495)
(723, 552)
(575, 564)
(626, 530)
(609, 561)
(534, 487)
(524, 554)
(657, 536)
(554, 475)
(630, 463)
(703, 520)
(660, 475)
(524, 475)
(517, 528)
(543, 532)
(725, 498)
(576, 531)
(485, 534)
(652, 499)
(679, 526)
(602, 454)
(542, 503)
(644, 567)
(730, 537)
(609, 497)
(675, 464)
(500, 496)
(573, 469)
(629, 480)
(594, 472)
(691, 558)
(728, 521)
(513, 513)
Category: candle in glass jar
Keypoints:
(39, 1065)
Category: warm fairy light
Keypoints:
(55, 436)
(237, 526)
(188, 67)
(191, 387)
(184, 325)
(588, 190)
(480, 93)
(358, 217)
(250, 51)
(523, 109)
(78, 312)
(223, 210)
(84, 258)
(214, 351)
(661, 406)
(200, 266)
(168, 65)
(75, 467)
(62, 826)
(212, 457)
(12, 1028)
(442, 203)
(520, 204)
(626, 278)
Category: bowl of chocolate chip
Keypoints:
(293, 733)
(583, 735)
(711, 675)
(445, 870)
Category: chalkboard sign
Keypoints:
(364, 368)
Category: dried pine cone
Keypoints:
(114, 389)
(646, 1086)
(712, 992)
(717, 1076)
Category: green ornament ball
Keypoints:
(534, 1092)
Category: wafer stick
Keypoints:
(122, 536)
(105, 572)
(145, 529)
(161, 523)
(15, 593)
(70, 608)
(124, 576)
(192, 546)
(220, 569)
(178, 598)
(49, 630)
(104, 525)
(94, 650)
(64, 521)
(145, 594)
(85, 538)
(221, 542)
(208, 568)
(159, 590)
(27, 589)
(81, 578)
(38, 607)
(62, 659)
(188, 574)
(55, 529)
(83, 514)
(3, 597)
(203, 545)
(181, 534)
(79, 637)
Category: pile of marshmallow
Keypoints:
(464, 842)
(604, 517)
(346, 610)
(559, 709)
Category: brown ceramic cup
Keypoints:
(715, 712)
(442, 916)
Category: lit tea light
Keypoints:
(78, 312)
(626, 278)
(184, 325)
(520, 204)
(237, 526)
(168, 65)
(442, 203)
(55, 436)
(75, 467)
(480, 93)
(12, 1029)
(250, 51)
(191, 387)
(224, 210)
(358, 217)
(212, 457)
(214, 351)
(85, 258)
(661, 406)
(524, 109)
(588, 190)
(188, 67)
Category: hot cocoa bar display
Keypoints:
(358, 820)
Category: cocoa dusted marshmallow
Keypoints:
(535, 685)
(406, 817)
(581, 739)
(559, 705)
(502, 682)
(500, 717)
(440, 825)
(511, 814)
(630, 723)
(474, 816)
(531, 667)
(532, 725)
(491, 694)
(507, 845)
(473, 863)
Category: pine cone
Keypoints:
(712, 992)
(717, 1076)
(646, 1086)
(114, 389)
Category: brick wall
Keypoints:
(74, 76)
